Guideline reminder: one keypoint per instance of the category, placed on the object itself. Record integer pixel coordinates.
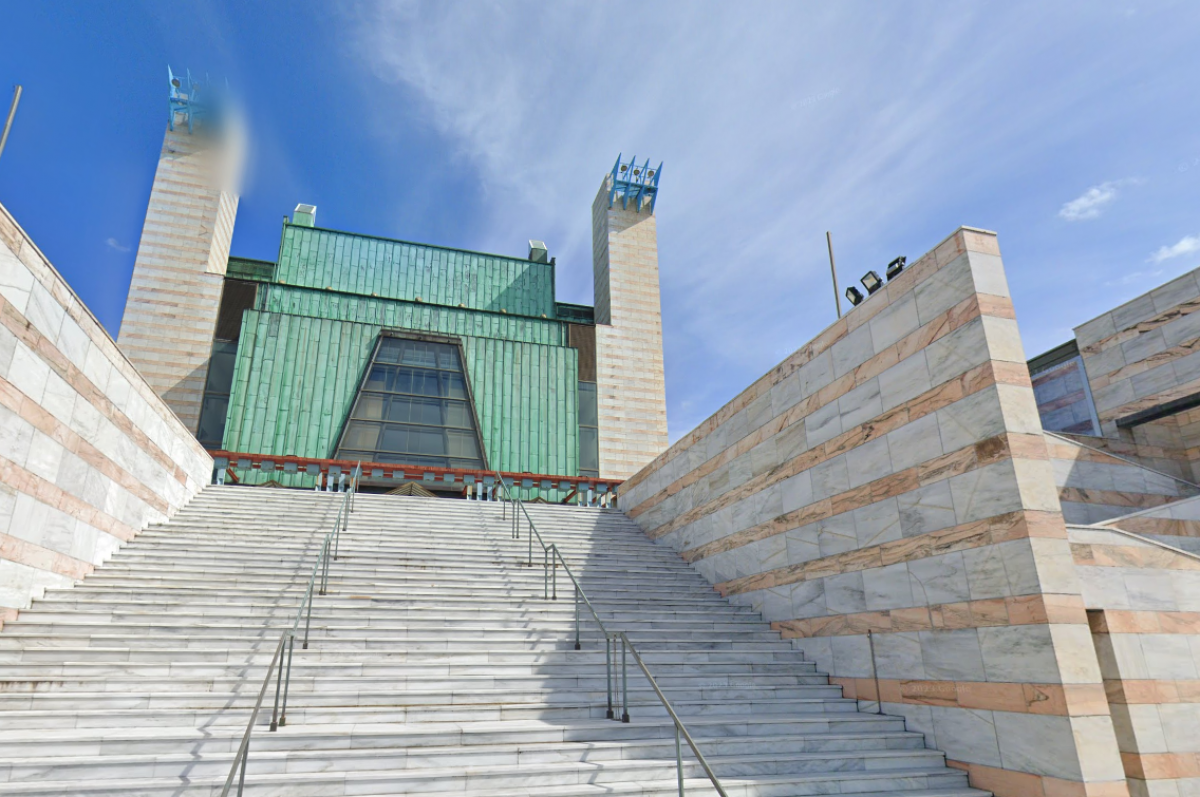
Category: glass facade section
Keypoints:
(414, 409)
(216, 393)
(589, 431)
(1064, 399)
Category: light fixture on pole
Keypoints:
(854, 295)
(871, 282)
(895, 267)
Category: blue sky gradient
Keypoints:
(1070, 128)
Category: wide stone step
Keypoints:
(645, 776)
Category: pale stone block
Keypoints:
(987, 271)
(1130, 313)
(1077, 662)
(852, 351)
(1139, 728)
(823, 424)
(836, 535)
(1143, 346)
(868, 462)
(877, 523)
(803, 543)
(851, 657)
(1149, 590)
(947, 287)
(887, 587)
(44, 312)
(967, 735)
(860, 405)
(958, 352)
(45, 456)
(28, 372)
(1038, 744)
(914, 443)
(986, 492)
(830, 478)
(952, 655)
(970, 420)
(986, 578)
(815, 374)
(16, 437)
(904, 381)
(894, 323)
(1168, 657)
(926, 509)
(808, 599)
(1056, 569)
(898, 655)
(59, 398)
(796, 491)
(19, 584)
(1179, 724)
(1122, 653)
(16, 281)
(844, 593)
(1095, 330)
(940, 579)
(1035, 483)
(1003, 339)
(1019, 654)
(1096, 746)
(791, 442)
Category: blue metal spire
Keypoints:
(631, 181)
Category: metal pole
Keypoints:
(875, 673)
(12, 112)
(278, 689)
(624, 681)
(545, 573)
(242, 777)
(554, 572)
(577, 618)
(679, 759)
(288, 679)
(608, 676)
(837, 298)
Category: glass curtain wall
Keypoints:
(414, 409)
(589, 431)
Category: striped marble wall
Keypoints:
(1095, 486)
(892, 476)
(1143, 602)
(89, 454)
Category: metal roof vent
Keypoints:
(538, 252)
(305, 216)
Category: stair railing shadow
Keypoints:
(552, 560)
(319, 580)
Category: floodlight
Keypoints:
(871, 282)
(854, 295)
(895, 267)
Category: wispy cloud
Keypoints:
(776, 122)
(113, 243)
(1189, 244)
(1134, 278)
(1092, 202)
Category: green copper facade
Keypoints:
(308, 325)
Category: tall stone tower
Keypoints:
(171, 312)
(630, 387)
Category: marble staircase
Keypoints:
(435, 666)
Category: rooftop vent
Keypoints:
(305, 216)
(538, 252)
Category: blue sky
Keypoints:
(1073, 129)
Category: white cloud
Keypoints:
(1189, 244)
(113, 243)
(1092, 202)
(775, 122)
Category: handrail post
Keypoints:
(278, 688)
(242, 776)
(287, 681)
(624, 679)
(553, 572)
(875, 674)
(679, 759)
(608, 674)
(307, 620)
(577, 618)
(545, 574)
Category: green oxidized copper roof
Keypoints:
(314, 257)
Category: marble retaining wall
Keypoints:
(1095, 486)
(89, 454)
(1143, 602)
(892, 476)
(1177, 524)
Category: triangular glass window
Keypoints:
(414, 408)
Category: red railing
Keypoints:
(234, 461)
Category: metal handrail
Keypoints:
(283, 673)
(552, 554)
(680, 728)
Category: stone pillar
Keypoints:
(171, 312)
(630, 388)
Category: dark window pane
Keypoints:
(378, 378)
(589, 449)
(370, 407)
(458, 415)
(587, 404)
(448, 358)
(220, 367)
(212, 420)
(461, 444)
(362, 435)
(454, 386)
